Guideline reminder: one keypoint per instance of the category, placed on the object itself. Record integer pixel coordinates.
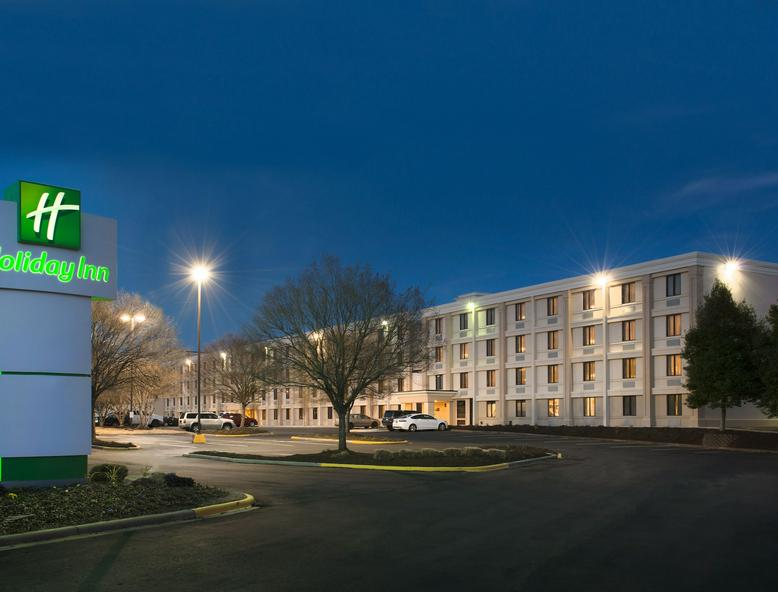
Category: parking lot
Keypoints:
(610, 515)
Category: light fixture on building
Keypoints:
(730, 268)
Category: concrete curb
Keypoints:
(369, 442)
(395, 468)
(240, 435)
(50, 534)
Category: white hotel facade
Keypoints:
(599, 349)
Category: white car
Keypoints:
(419, 421)
(208, 421)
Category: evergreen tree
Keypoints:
(722, 354)
(768, 402)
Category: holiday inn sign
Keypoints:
(54, 260)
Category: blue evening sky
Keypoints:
(459, 146)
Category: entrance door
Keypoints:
(461, 413)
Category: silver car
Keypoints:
(358, 420)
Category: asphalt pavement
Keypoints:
(610, 515)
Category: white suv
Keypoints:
(208, 421)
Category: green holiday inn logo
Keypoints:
(47, 215)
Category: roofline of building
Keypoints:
(654, 266)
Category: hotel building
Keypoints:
(602, 349)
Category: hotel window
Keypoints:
(438, 326)
(553, 408)
(464, 351)
(589, 371)
(588, 299)
(629, 367)
(286, 414)
(463, 380)
(491, 409)
(275, 414)
(521, 408)
(589, 335)
(439, 354)
(552, 306)
(300, 413)
(264, 415)
(520, 311)
(673, 284)
(521, 376)
(628, 332)
(521, 344)
(286, 394)
(438, 382)
(381, 386)
(629, 405)
(275, 394)
(674, 405)
(400, 385)
(491, 378)
(674, 367)
(490, 347)
(628, 292)
(315, 413)
(381, 410)
(673, 325)
(589, 406)
(463, 321)
(489, 317)
(553, 374)
(553, 339)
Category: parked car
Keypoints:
(240, 421)
(170, 420)
(419, 421)
(358, 420)
(110, 421)
(208, 421)
(390, 415)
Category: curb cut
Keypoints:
(395, 468)
(50, 534)
(369, 442)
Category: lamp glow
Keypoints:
(471, 305)
(200, 273)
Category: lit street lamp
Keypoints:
(132, 320)
(199, 274)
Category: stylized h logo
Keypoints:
(53, 212)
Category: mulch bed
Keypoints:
(350, 436)
(453, 457)
(694, 436)
(24, 510)
(111, 444)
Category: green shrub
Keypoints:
(113, 474)
(173, 480)
(383, 455)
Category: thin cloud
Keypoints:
(716, 188)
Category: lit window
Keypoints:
(674, 407)
(589, 335)
(491, 409)
(674, 367)
(521, 376)
(553, 408)
(588, 299)
(552, 306)
(439, 354)
(521, 344)
(629, 367)
(673, 325)
(589, 371)
(553, 339)
(520, 311)
(628, 331)
(491, 378)
(464, 351)
(553, 374)
(589, 406)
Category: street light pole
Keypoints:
(132, 319)
(199, 274)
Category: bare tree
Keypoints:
(120, 352)
(238, 370)
(340, 330)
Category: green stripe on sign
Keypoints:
(10, 373)
(42, 468)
